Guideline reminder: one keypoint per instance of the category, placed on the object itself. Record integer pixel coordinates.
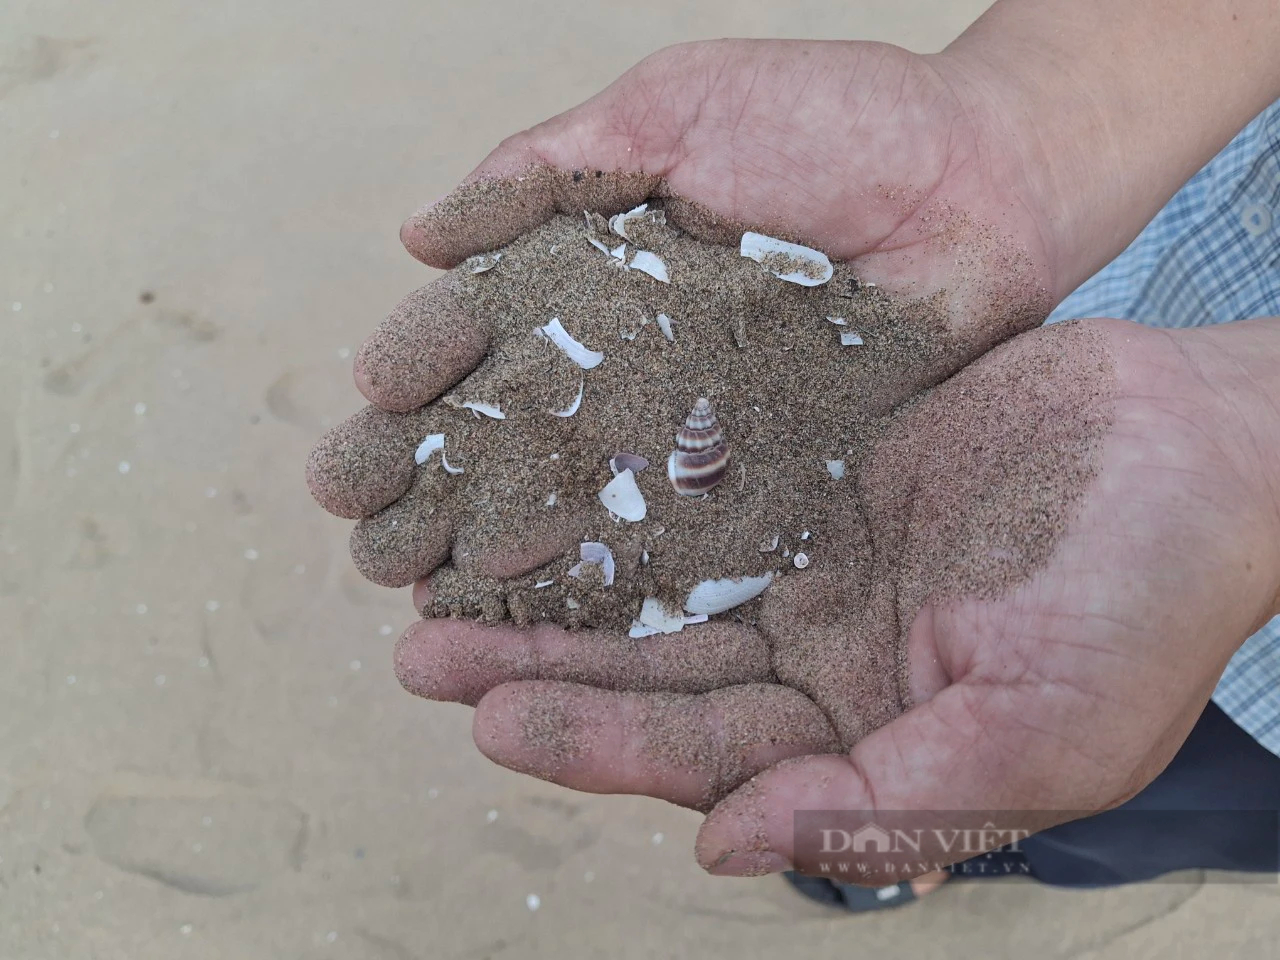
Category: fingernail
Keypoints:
(748, 863)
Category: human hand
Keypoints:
(1067, 693)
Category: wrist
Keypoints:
(1111, 105)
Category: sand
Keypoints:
(266, 212)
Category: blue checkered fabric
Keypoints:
(1212, 255)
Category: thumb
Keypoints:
(607, 155)
(947, 780)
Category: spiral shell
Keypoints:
(701, 456)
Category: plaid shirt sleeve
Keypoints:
(1212, 255)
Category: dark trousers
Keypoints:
(1216, 807)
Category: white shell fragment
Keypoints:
(664, 324)
(627, 461)
(598, 554)
(543, 584)
(801, 560)
(618, 222)
(717, 596)
(623, 498)
(551, 500)
(572, 408)
(598, 245)
(575, 351)
(838, 321)
(488, 409)
(655, 616)
(836, 469)
(795, 264)
(850, 339)
(482, 262)
(619, 252)
(448, 467)
(768, 546)
(432, 443)
(650, 263)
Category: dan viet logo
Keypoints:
(881, 850)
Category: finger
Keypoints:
(412, 537)
(957, 762)
(363, 464)
(458, 661)
(427, 344)
(689, 750)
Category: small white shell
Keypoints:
(717, 596)
(598, 245)
(805, 266)
(838, 321)
(618, 222)
(482, 262)
(488, 409)
(654, 614)
(595, 553)
(572, 408)
(432, 443)
(543, 584)
(575, 351)
(650, 263)
(572, 604)
(551, 500)
(801, 560)
(836, 469)
(623, 498)
(768, 546)
(619, 252)
(640, 630)
(627, 461)
(664, 324)
(805, 535)
(850, 339)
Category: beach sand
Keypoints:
(205, 752)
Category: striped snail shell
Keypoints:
(701, 456)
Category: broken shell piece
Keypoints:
(572, 604)
(482, 262)
(432, 443)
(623, 498)
(627, 461)
(572, 408)
(768, 546)
(650, 263)
(598, 554)
(655, 615)
(543, 584)
(717, 596)
(836, 469)
(701, 456)
(551, 500)
(575, 351)
(618, 222)
(619, 252)
(664, 324)
(850, 339)
(597, 244)
(787, 261)
(488, 409)
(801, 560)
(805, 535)
(838, 321)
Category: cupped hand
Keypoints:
(1068, 693)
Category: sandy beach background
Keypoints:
(203, 751)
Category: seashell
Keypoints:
(432, 443)
(836, 469)
(575, 351)
(598, 554)
(801, 560)
(701, 456)
(657, 618)
(618, 222)
(768, 546)
(650, 263)
(488, 409)
(623, 498)
(572, 408)
(850, 339)
(838, 321)
(543, 584)
(787, 261)
(619, 252)
(551, 500)
(717, 596)
(805, 535)
(627, 461)
(664, 324)
(597, 244)
(572, 604)
(482, 262)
